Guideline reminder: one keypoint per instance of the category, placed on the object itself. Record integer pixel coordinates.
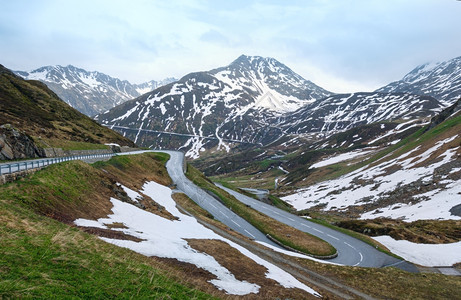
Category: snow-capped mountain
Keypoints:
(344, 111)
(271, 84)
(89, 92)
(217, 108)
(440, 80)
(149, 86)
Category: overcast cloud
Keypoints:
(343, 46)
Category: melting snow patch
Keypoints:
(135, 196)
(423, 254)
(112, 144)
(340, 158)
(166, 238)
(283, 170)
(437, 207)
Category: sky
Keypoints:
(342, 46)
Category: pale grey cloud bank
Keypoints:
(343, 46)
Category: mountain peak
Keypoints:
(249, 60)
(431, 79)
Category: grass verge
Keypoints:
(356, 235)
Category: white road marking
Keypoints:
(333, 237)
(236, 223)
(350, 245)
(213, 205)
(291, 219)
(361, 258)
(318, 230)
(249, 233)
(394, 264)
(305, 225)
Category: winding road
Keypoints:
(208, 202)
(351, 251)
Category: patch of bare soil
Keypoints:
(196, 277)
(111, 234)
(422, 231)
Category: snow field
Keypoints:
(165, 238)
(341, 157)
(429, 255)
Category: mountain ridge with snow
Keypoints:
(90, 92)
(440, 80)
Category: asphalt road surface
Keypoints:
(351, 251)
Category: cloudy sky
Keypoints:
(343, 46)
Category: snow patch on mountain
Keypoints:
(342, 157)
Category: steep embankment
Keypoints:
(36, 112)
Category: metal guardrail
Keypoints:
(9, 168)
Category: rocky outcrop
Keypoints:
(15, 144)
(445, 114)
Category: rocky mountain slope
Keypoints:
(35, 114)
(440, 80)
(89, 92)
(344, 111)
(218, 108)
